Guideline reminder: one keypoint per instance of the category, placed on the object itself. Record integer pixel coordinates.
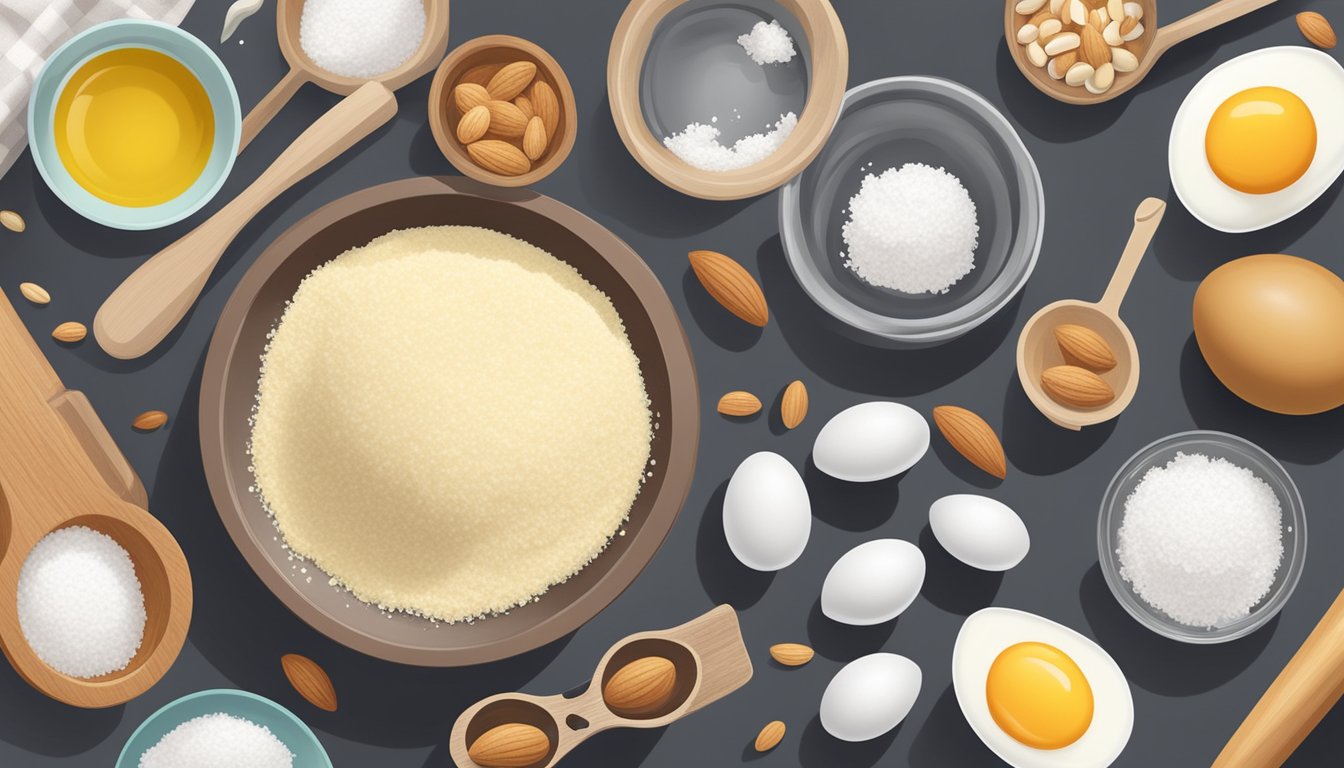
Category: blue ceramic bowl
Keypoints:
(308, 751)
(134, 33)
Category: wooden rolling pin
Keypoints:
(1295, 702)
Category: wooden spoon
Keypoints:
(1037, 349)
(1149, 48)
(149, 303)
(49, 480)
(303, 70)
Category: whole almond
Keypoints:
(12, 221)
(642, 688)
(525, 104)
(34, 293)
(480, 74)
(1127, 27)
(309, 680)
(499, 157)
(731, 285)
(793, 405)
(150, 421)
(511, 745)
(1084, 347)
(770, 736)
(70, 332)
(791, 654)
(546, 104)
(739, 403)
(1094, 49)
(972, 437)
(468, 96)
(506, 119)
(511, 80)
(534, 138)
(1316, 28)
(1076, 387)
(473, 124)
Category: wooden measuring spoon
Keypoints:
(48, 480)
(1149, 48)
(1038, 350)
(303, 70)
(708, 654)
(151, 302)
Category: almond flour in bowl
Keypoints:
(450, 422)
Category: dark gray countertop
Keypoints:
(1097, 163)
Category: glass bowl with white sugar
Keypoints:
(1202, 537)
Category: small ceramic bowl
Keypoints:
(308, 751)
(1215, 445)
(134, 33)
(475, 61)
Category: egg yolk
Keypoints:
(1261, 140)
(1039, 696)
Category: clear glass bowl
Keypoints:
(1214, 445)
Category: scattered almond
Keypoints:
(506, 119)
(525, 104)
(1316, 28)
(70, 332)
(499, 157)
(12, 221)
(34, 293)
(770, 736)
(731, 285)
(510, 81)
(546, 104)
(534, 138)
(642, 688)
(739, 403)
(1076, 387)
(309, 680)
(473, 124)
(791, 654)
(150, 421)
(468, 96)
(972, 437)
(793, 405)
(511, 745)
(1084, 347)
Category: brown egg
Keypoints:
(1271, 327)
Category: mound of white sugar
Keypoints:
(1201, 540)
(361, 38)
(911, 229)
(768, 43)
(218, 741)
(699, 147)
(79, 602)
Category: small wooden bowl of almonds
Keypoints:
(502, 111)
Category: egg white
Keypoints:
(986, 633)
(1316, 78)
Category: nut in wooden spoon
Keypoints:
(151, 302)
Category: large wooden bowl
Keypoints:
(230, 384)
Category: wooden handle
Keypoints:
(1198, 22)
(1295, 702)
(1146, 218)
(151, 302)
(270, 105)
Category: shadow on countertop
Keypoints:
(850, 506)
(946, 739)
(951, 584)
(33, 722)
(819, 749)
(1038, 446)
(845, 642)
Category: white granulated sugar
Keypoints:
(451, 421)
(911, 229)
(699, 147)
(768, 43)
(79, 602)
(361, 38)
(1201, 540)
(218, 741)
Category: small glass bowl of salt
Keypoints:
(1186, 537)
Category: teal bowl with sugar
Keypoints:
(307, 750)
(152, 35)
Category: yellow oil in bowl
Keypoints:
(134, 127)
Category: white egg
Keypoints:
(871, 441)
(767, 516)
(979, 531)
(1042, 699)
(1316, 78)
(873, 582)
(869, 696)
